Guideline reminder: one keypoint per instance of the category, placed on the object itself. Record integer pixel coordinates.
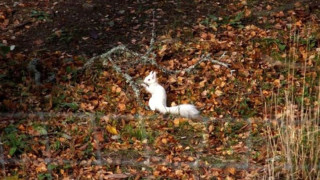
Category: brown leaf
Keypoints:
(268, 7)
(204, 36)
(210, 128)
(218, 92)
(156, 173)
(162, 50)
(278, 26)
(41, 168)
(179, 172)
(164, 140)
(38, 42)
(83, 106)
(247, 12)
(122, 107)
(117, 176)
(190, 158)
(229, 178)
(21, 127)
(231, 170)
(9, 104)
(5, 23)
(99, 136)
(176, 122)
(277, 83)
(95, 102)
(105, 118)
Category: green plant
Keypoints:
(210, 21)
(56, 145)
(271, 41)
(213, 21)
(40, 15)
(74, 106)
(4, 50)
(44, 176)
(16, 142)
(236, 21)
(245, 110)
(310, 41)
(88, 152)
(42, 130)
(140, 133)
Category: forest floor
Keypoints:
(81, 125)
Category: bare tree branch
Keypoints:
(148, 58)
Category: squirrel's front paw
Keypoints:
(144, 85)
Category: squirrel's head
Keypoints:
(151, 78)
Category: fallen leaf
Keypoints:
(164, 140)
(122, 107)
(117, 176)
(99, 136)
(176, 122)
(179, 172)
(268, 7)
(277, 83)
(41, 167)
(218, 92)
(231, 170)
(112, 130)
(190, 158)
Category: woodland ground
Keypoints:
(89, 126)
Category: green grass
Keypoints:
(139, 133)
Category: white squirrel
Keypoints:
(158, 100)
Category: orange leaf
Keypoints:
(231, 170)
(41, 167)
(122, 107)
(179, 172)
(176, 122)
(277, 83)
(164, 140)
(190, 158)
(99, 136)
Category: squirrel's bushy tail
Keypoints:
(184, 110)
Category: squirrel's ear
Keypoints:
(154, 75)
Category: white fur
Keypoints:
(158, 100)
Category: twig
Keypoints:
(153, 36)
(22, 24)
(127, 77)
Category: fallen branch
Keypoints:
(144, 59)
(23, 24)
(128, 79)
(148, 58)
